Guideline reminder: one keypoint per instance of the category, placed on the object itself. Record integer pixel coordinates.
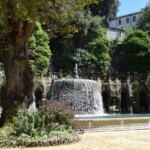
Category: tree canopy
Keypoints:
(87, 25)
(89, 48)
(56, 12)
(144, 20)
(93, 60)
(137, 52)
(99, 47)
(105, 8)
(64, 48)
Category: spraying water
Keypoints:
(81, 95)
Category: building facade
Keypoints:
(113, 34)
(129, 20)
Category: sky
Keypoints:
(130, 6)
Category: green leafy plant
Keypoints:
(136, 52)
(53, 122)
(40, 50)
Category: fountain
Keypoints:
(81, 95)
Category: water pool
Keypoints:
(105, 116)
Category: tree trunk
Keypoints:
(19, 76)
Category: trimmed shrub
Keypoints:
(51, 125)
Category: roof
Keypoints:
(116, 29)
(131, 14)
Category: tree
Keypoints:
(99, 48)
(144, 20)
(136, 52)
(39, 47)
(89, 49)
(18, 18)
(94, 60)
(87, 26)
(105, 8)
(81, 57)
(87, 23)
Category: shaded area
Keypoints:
(105, 96)
(143, 102)
(38, 97)
(124, 102)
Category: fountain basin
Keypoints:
(110, 116)
(112, 121)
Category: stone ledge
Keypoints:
(115, 122)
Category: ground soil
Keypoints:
(114, 140)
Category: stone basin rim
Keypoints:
(88, 80)
(130, 118)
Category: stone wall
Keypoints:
(126, 93)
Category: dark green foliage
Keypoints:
(67, 52)
(136, 52)
(89, 48)
(87, 26)
(92, 39)
(105, 8)
(99, 48)
(29, 123)
(82, 57)
(144, 20)
(40, 50)
(52, 122)
(94, 60)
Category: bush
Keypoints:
(29, 123)
(56, 114)
(53, 122)
(6, 138)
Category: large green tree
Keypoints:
(91, 47)
(93, 60)
(87, 26)
(99, 48)
(136, 52)
(144, 20)
(106, 8)
(17, 18)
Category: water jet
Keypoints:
(81, 95)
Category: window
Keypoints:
(119, 22)
(134, 18)
(127, 20)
